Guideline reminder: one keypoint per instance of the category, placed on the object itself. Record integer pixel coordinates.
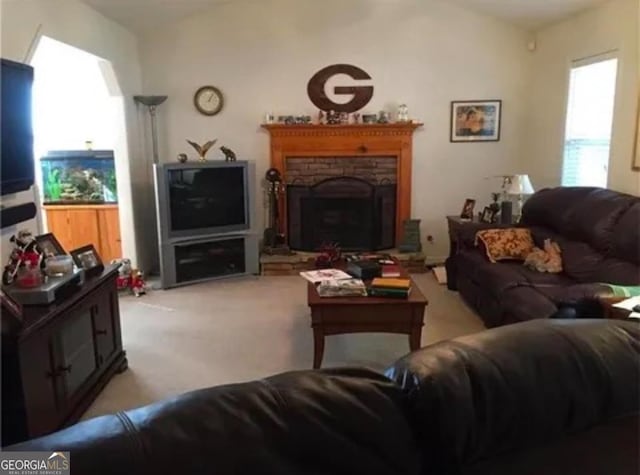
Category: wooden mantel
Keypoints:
(354, 140)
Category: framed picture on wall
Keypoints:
(476, 121)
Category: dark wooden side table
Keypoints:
(609, 311)
(461, 230)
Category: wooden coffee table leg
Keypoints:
(318, 347)
(414, 338)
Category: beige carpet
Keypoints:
(248, 328)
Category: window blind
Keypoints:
(592, 88)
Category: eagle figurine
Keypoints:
(202, 149)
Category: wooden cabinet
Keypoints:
(77, 226)
(60, 358)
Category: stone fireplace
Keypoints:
(349, 184)
(349, 200)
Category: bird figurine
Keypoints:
(202, 149)
(229, 155)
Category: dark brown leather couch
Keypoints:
(598, 232)
(550, 396)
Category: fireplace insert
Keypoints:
(356, 214)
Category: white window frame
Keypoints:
(585, 61)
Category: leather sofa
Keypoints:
(547, 396)
(598, 231)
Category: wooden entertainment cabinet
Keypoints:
(59, 358)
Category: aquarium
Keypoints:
(79, 177)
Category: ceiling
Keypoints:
(141, 15)
(530, 14)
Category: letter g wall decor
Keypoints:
(361, 94)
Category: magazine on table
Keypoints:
(317, 276)
(342, 288)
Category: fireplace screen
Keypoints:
(357, 215)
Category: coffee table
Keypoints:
(340, 315)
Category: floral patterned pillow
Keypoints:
(507, 243)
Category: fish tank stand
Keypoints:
(78, 225)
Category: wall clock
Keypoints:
(208, 100)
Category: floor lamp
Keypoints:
(152, 102)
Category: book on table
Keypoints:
(390, 287)
(393, 293)
(317, 276)
(391, 282)
(390, 270)
(342, 288)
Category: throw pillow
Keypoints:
(507, 243)
(547, 260)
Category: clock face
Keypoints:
(208, 100)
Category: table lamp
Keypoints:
(520, 185)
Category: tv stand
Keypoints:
(58, 359)
(200, 259)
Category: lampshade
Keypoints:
(520, 185)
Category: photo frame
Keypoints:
(476, 121)
(488, 215)
(11, 305)
(467, 209)
(49, 245)
(87, 258)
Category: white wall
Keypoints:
(424, 53)
(612, 26)
(22, 23)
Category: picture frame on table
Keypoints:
(87, 258)
(11, 305)
(488, 215)
(476, 121)
(49, 245)
(467, 209)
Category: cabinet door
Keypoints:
(110, 242)
(58, 224)
(105, 317)
(84, 227)
(43, 404)
(75, 360)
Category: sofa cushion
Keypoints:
(507, 243)
(580, 213)
(328, 421)
(626, 236)
(514, 387)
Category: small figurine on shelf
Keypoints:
(25, 253)
(229, 155)
(329, 254)
(333, 118)
(356, 117)
(202, 149)
(123, 281)
(138, 285)
(321, 118)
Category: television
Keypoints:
(198, 199)
(17, 163)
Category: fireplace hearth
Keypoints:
(356, 214)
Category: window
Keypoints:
(592, 90)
